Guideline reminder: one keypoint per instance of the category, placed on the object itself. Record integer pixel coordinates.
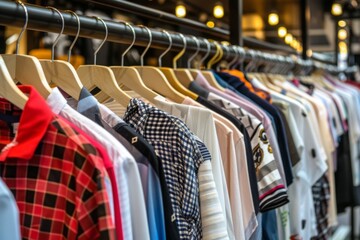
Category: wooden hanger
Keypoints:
(102, 77)
(59, 72)
(155, 79)
(26, 69)
(130, 77)
(8, 88)
(208, 74)
(180, 79)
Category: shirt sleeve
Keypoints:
(272, 191)
(212, 214)
(9, 214)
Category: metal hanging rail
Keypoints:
(147, 12)
(172, 19)
(45, 20)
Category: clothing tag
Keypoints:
(15, 127)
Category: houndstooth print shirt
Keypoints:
(181, 156)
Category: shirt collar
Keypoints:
(88, 106)
(34, 122)
(137, 113)
(56, 101)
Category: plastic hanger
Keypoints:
(102, 77)
(129, 76)
(178, 78)
(208, 74)
(26, 69)
(155, 79)
(59, 72)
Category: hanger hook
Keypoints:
(77, 33)
(106, 36)
(179, 55)
(61, 31)
(167, 50)
(208, 48)
(231, 63)
(197, 51)
(132, 43)
(147, 47)
(24, 27)
(218, 54)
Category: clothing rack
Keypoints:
(172, 19)
(44, 19)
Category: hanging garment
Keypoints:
(181, 157)
(51, 184)
(9, 214)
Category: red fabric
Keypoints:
(353, 83)
(55, 174)
(110, 170)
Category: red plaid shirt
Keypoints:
(55, 174)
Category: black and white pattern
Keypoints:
(272, 190)
(181, 156)
(321, 196)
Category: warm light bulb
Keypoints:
(288, 38)
(218, 10)
(210, 24)
(282, 31)
(273, 19)
(342, 45)
(300, 48)
(309, 52)
(342, 34)
(294, 43)
(342, 23)
(343, 49)
(180, 11)
(336, 9)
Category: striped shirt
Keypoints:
(272, 191)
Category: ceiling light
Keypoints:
(294, 43)
(273, 19)
(288, 38)
(210, 24)
(218, 10)
(282, 31)
(203, 17)
(342, 45)
(343, 48)
(300, 48)
(336, 9)
(180, 10)
(342, 23)
(309, 52)
(342, 34)
(354, 3)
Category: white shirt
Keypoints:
(132, 202)
(201, 123)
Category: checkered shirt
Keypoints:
(179, 152)
(272, 191)
(321, 196)
(54, 173)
